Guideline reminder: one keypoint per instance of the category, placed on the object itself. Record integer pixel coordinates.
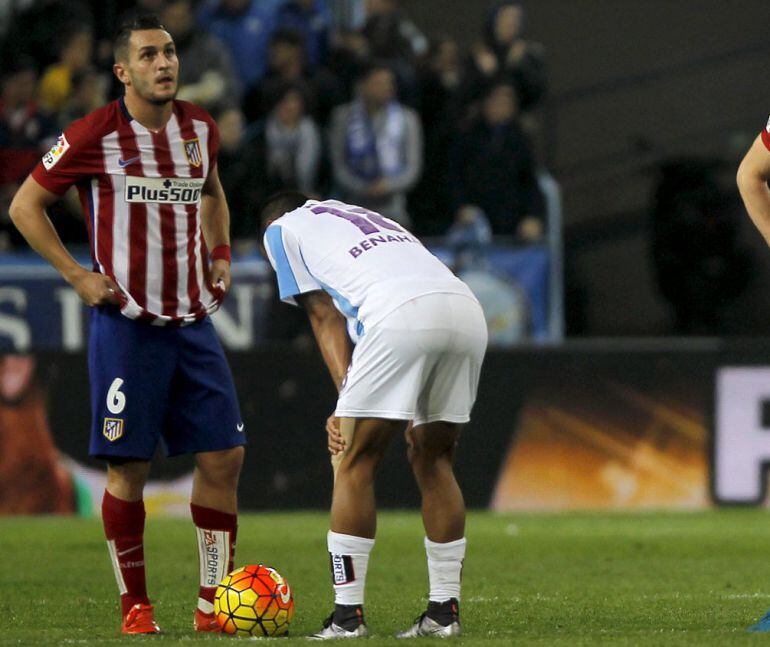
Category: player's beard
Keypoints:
(161, 102)
(144, 90)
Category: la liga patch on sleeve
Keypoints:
(57, 150)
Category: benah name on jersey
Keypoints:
(163, 190)
(373, 241)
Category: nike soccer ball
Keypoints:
(254, 601)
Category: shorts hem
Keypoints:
(198, 450)
(369, 413)
(441, 417)
(402, 415)
(101, 456)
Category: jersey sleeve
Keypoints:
(766, 135)
(213, 143)
(68, 161)
(286, 258)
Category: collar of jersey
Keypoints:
(129, 116)
(124, 109)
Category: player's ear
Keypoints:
(121, 71)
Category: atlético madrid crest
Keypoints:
(113, 429)
(192, 148)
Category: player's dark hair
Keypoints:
(140, 23)
(278, 204)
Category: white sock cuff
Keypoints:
(340, 544)
(450, 551)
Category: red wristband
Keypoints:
(220, 253)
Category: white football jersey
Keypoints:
(367, 263)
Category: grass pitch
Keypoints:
(556, 579)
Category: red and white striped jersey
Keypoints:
(141, 195)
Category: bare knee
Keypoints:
(430, 446)
(366, 453)
(126, 480)
(220, 468)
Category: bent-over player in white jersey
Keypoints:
(421, 338)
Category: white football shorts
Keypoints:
(421, 362)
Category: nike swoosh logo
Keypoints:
(129, 550)
(239, 426)
(123, 163)
(285, 594)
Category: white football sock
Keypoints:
(349, 557)
(445, 564)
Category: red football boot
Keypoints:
(140, 620)
(206, 622)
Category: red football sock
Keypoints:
(124, 529)
(216, 550)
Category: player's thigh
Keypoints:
(130, 367)
(384, 376)
(369, 438)
(433, 440)
(203, 413)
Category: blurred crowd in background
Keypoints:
(337, 98)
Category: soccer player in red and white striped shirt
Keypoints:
(145, 169)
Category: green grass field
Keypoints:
(557, 579)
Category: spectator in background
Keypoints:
(311, 18)
(284, 155)
(241, 166)
(208, 75)
(391, 35)
(244, 26)
(505, 53)
(40, 25)
(349, 56)
(492, 167)
(395, 39)
(26, 133)
(75, 56)
(292, 145)
(89, 92)
(376, 146)
(439, 81)
(288, 66)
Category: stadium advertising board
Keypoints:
(597, 425)
(741, 447)
(38, 311)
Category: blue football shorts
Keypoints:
(159, 382)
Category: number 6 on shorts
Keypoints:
(116, 399)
